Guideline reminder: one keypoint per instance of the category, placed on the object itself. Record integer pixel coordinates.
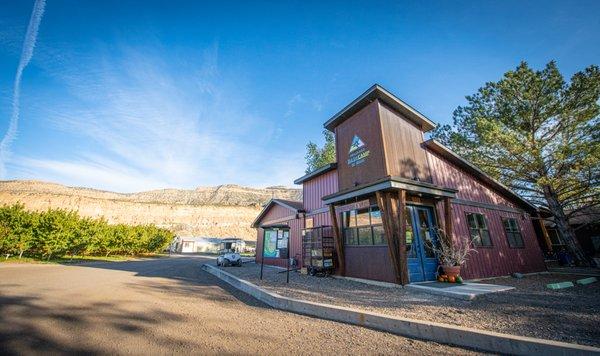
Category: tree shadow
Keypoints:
(185, 271)
(36, 322)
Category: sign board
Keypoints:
(276, 243)
(358, 152)
(353, 206)
(270, 247)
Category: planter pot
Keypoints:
(451, 270)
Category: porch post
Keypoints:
(337, 238)
(393, 210)
(400, 221)
(383, 202)
(448, 223)
(545, 233)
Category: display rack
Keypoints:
(318, 250)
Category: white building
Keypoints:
(191, 244)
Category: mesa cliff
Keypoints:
(221, 211)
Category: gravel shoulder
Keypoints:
(531, 309)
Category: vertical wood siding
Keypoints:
(275, 212)
(369, 262)
(295, 242)
(448, 175)
(315, 189)
(402, 140)
(500, 259)
(367, 126)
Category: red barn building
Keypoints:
(386, 173)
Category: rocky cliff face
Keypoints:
(222, 211)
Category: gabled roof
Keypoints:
(316, 173)
(378, 92)
(295, 206)
(469, 167)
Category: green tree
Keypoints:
(54, 231)
(538, 135)
(317, 157)
(16, 227)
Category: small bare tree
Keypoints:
(452, 253)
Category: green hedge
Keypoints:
(56, 232)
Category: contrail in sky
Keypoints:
(26, 54)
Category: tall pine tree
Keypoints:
(538, 135)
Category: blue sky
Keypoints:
(132, 95)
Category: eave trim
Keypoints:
(379, 92)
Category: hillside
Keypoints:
(222, 211)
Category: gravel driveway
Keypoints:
(164, 306)
(569, 315)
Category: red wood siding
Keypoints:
(402, 140)
(277, 212)
(499, 259)
(296, 226)
(448, 175)
(366, 125)
(369, 262)
(315, 189)
(321, 219)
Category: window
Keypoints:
(480, 234)
(513, 233)
(363, 227)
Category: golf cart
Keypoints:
(228, 258)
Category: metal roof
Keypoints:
(447, 153)
(295, 206)
(390, 183)
(379, 92)
(316, 173)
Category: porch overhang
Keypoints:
(275, 226)
(391, 183)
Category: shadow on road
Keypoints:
(38, 320)
(185, 271)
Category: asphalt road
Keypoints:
(163, 306)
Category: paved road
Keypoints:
(163, 306)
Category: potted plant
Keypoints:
(452, 254)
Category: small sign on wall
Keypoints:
(309, 223)
(358, 152)
(353, 206)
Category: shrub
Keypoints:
(56, 232)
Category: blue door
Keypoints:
(420, 237)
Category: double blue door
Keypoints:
(420, 238)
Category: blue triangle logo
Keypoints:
(356, 144)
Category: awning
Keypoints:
(411, 186)
(280, 226)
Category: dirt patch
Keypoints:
(531, 309)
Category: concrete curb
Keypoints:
(425, 330)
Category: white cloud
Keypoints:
(157, 121)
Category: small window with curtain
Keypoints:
(478, 229)
(513, 233)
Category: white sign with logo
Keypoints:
(358, 152)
